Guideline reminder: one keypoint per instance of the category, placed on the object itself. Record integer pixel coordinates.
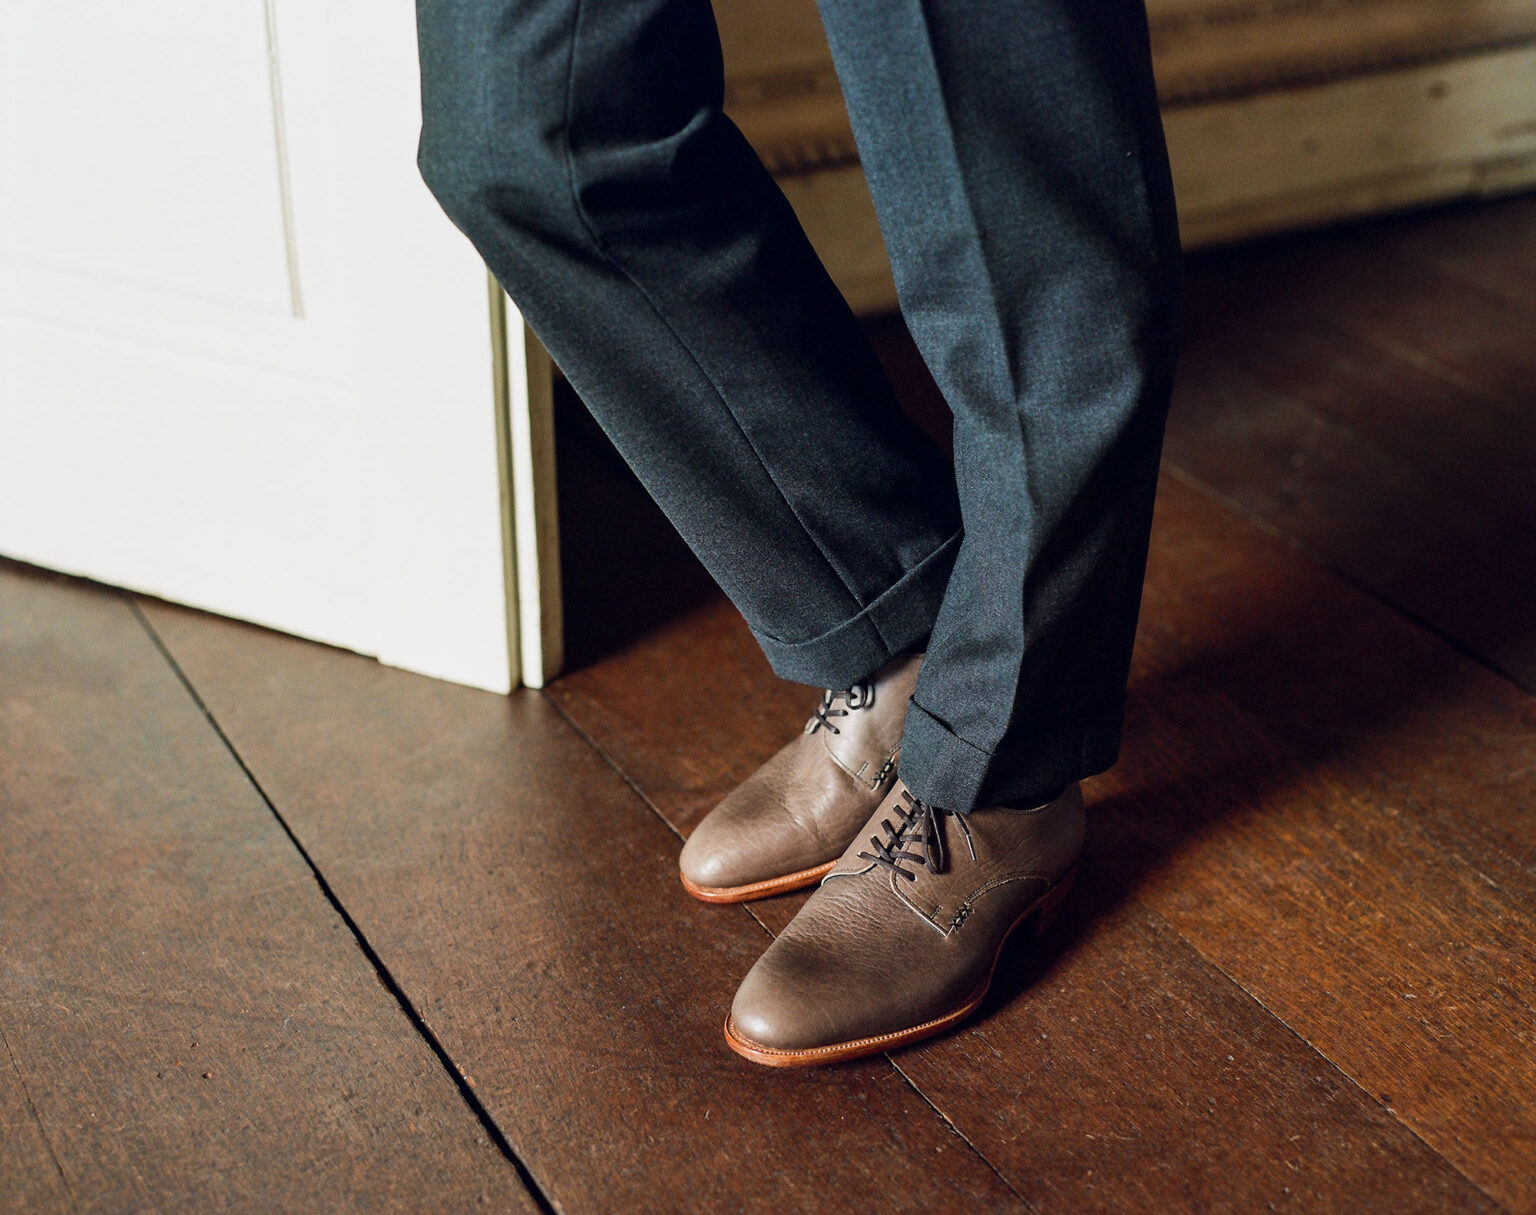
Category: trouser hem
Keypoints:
(945, 770)
(898, 619)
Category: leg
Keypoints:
(1016, 159)
(581, 147)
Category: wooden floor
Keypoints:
(282, 929)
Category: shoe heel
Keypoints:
(1052, 903)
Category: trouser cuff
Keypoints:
(898, 620)
(945, 770)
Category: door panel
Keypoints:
(245, 362)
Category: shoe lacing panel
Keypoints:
(860, 696)
(915, 823)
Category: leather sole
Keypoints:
(758, 890)
(1044, 910)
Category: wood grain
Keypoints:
(188, 1023)
(33, 1178)
(1335, 809)
(1057, 1114)
(1299, 972)
(528, 902)
(1375, 408)
(1359, 145)
(1206, 48)
(699, 676)
(1127, 1073)
(1490, 247)
(1322, 799)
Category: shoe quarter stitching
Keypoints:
(967, 906)
(887, 766)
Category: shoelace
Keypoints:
(860, 696)
(917, 823)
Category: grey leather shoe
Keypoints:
(787, 824)
(902, 938)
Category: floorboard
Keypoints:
(1368, 395)
(34, 1180)
(1321, 801)
(1490, 246)
(188, 1024)
(526, 899)
(1129, 1008)
(1335, 808)
(1299, 972)
(1128, 1074)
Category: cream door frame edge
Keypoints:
(525, 447)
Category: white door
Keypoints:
(245, 362)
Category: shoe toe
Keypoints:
(786, 1003)
(813, 989)
(711, 858)
(751, 836)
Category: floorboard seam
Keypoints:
(961, 1135)
(656, 810)
(1439, 369)
(1233, 506)
(455, 1074)
(609, 760)
(1462, 277)
(42, 1130)
(637, 791)
(1374, 1099)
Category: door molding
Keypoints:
(525, 449)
